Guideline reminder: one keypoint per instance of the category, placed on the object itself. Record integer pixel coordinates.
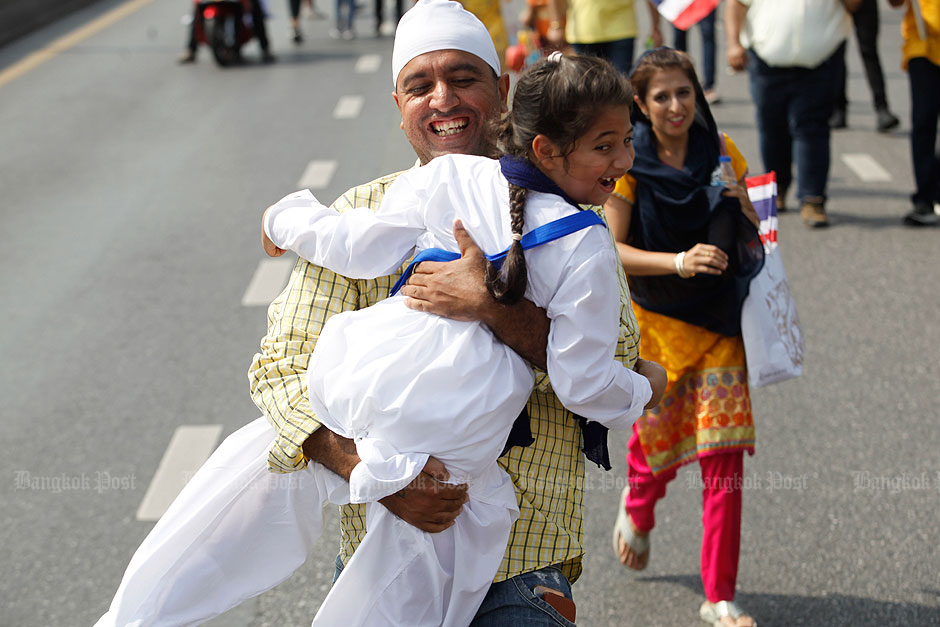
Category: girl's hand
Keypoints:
(740, 192)
(656, 375)
(705, 259)
(269, 247)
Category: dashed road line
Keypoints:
(268, 281)
(189, 448)
(865, 167)
(368, 63)
(317, 175)
(348, 107)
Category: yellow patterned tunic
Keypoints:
(706, 408)
(548, 475)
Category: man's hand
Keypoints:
(269, 247)
(735, 17)
(427, 502)
(656, 375)
(456, 290)
(452, 289)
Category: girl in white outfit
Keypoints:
(405, 385)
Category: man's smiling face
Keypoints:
(448, 100)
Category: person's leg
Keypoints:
(189, 56)
(925, 107)
(723, 478)
(840, 104)
(679, 39)
(520, 600)
(646, 489)
(620, 54)
(707, 31)
(771, 92)
(294, 6)
(866, 31)
(257, 19)
(809, 113)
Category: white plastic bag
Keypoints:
(773, 340)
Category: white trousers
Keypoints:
(237, 530)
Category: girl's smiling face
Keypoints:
(600, 157)
(669, 103)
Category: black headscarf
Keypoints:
(674, 210)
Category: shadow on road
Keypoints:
(833, 609)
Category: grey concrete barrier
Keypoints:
(20, 17)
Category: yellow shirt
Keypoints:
(548, 475)
(626, 186)
(597, 21)
(914, 44)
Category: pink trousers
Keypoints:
(722, 479)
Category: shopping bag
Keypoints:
(773, 340)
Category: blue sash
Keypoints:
(536, 237)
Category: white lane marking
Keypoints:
(368, 64)
(317, 175)
(865, 167)
(268, 281)
(189, 448)
(348, 107)
(70, 40)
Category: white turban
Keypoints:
(440, 25)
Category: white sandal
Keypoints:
(712, 613)
(640, 545)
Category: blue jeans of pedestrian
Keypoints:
(925, 109)
(793, 107)
(707, 31)
(619, 52)
(514, 601)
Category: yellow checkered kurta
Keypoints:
(548, 475)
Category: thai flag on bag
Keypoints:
(685, 13)
(762, 190)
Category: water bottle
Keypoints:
(726, 173)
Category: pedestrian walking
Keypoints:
(688, 241)
(921, 59)
(866, 24)
(793, 61)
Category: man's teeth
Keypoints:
(449, 128)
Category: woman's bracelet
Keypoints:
(679, 260)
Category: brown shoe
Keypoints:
(813, 214)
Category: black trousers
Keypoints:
(866, 33)
(380, 11)
(925, 110)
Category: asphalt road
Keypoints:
(130, 205)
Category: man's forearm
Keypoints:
(523, 327)
(335, 452)
(735, 15)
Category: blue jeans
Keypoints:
(793, 107)
(707, 26)
(619, 52)
(513, 602)
(925, 108)
(345, 13)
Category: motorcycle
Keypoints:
(225, 26)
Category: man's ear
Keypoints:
(401, 124)
(502, 84)
(545, 152)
